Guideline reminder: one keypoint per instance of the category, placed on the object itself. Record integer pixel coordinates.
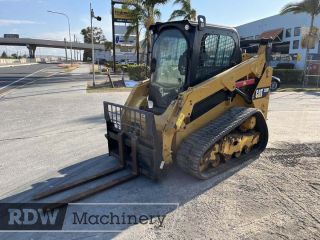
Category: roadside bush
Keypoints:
(123, 67)
(105, 70)
(118, 66)
(137, 72)
(289, 76)
(109, 64)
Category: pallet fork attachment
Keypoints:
(126, 127)
(90, 191)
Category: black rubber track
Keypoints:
(198, 143)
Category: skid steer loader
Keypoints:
(204, 107)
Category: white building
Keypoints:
(287, 32)
(125, 48)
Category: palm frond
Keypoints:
(154, 2)
(177, 14)
(186, 5)
(193, 15)
(311, 7)
(131, 30)
(293, 8)
(315, 5)
(178, 2)
(157, 13)
(185, 11)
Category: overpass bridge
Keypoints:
(32, 44)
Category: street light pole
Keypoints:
(92, 43)
(65, 47)
(70, 39)
(75, 56)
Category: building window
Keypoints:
(297, 31)
(296, 44)
(288, 32)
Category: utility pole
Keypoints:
(65, 47)
(92, 55)
(74, 50)
(113, 38)
(70, 39)
(138, 44)
(92, 42)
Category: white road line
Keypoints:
(21, 79)
(28, 83)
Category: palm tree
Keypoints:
(311, 7)
(186, 11)
(146, 15)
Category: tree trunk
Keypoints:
(148, 51)
(306, 64)
(150, 15)
(150, 20)
(148, 46)
(138, 44)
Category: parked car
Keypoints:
(123, 62)
(131, 62)
(275, 83)
(285, 66)
(101, 61)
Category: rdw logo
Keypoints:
(31, 216)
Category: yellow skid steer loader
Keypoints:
(203, 108)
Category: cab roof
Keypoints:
(191, 23)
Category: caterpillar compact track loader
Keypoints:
(204, 107)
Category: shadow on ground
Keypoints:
(317, 94)
(174, 187)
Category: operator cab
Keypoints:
(186, 53)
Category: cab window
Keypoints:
(216, 53)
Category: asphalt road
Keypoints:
(52, 131)
(12, 77)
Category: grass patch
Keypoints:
(69, 67)
(106, 87)
(96, 69)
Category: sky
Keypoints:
(30, 19)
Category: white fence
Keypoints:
(4, 61)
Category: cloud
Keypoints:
(9, 22)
